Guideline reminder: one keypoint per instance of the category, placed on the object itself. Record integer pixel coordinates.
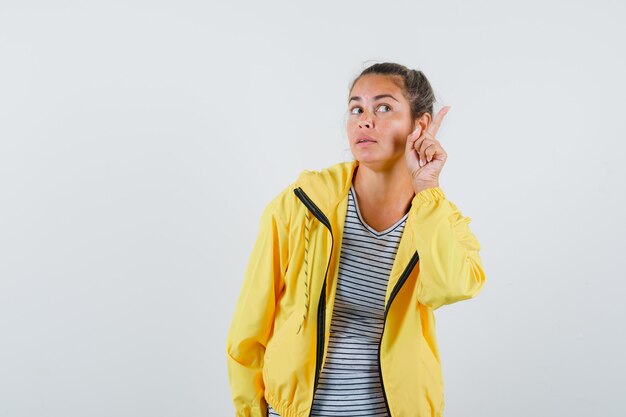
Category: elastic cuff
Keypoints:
(428, 194)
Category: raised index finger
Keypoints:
(434, 126)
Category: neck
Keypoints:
(390, 188)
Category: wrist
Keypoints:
(421, 186)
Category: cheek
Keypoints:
(399, 139)
(395, 131)
(351, 127)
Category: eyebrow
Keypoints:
(378, 97)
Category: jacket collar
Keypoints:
(328, 187)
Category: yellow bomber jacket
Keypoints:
(277, 341)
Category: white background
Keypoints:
(140, 141)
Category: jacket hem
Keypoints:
(252, 411)
(283, 408)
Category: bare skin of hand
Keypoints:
(425, 157)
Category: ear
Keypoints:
(423, 120)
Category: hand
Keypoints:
(424, 155)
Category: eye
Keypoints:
(355, 110)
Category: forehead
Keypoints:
(375, 84)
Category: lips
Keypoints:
(364, 139)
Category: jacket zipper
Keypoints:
(321, 309)
(396, 289)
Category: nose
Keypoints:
(365, 121)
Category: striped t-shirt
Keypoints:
(349, 384)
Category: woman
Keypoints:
(335, 316)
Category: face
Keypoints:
(378, 112)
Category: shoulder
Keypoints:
(322, 185)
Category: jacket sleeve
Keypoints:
(450, 267)
(253, 317)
